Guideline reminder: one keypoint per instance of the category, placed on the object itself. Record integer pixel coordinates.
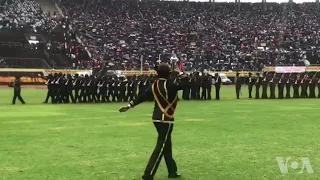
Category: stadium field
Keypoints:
(212, 140)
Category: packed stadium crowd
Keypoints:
(222, 36)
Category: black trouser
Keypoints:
(163, 148)
(304, 93)
(264, 91)
(17, 94)
(68, 95)
(288, 87)
(49, 95)
(280, 91)
(186, 93)
(204, 92)
(272, 91)
(218, 92)
(296, 91)
(312, 90)
(209, 91)
(250, 90)
(257, 91)
(238, 90)
(76, 95)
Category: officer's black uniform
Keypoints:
(17, 91)
(288, 87)
(312, 88)
(217, 85)
(258, 84)
(264, 87)
(209, 86)
(165, 92)
(50, 89)
(238, 81)
(304, 86)
(204, 82)
(281, 85)
(68, 90)
(272, 86)
(250, 85)
(186, 90)
(296, 86)
(77, 87)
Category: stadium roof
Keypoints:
(253, 1)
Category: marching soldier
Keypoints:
(272, 87)
(258, 84)
(238, 82)
(68, 90)
(204, 82)
(304, 86)
(83, 88)
(312, 86)
(50, 89)
(17, 91)
(77, 87)
(288, 86)
(186, 90)
(296, 86)
(217, 85)
(102, 85)
(281, 84)
(250, 85)
(194, 86)
(130, 93)
(165, 93)
(265, 86)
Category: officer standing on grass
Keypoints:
(238, 82)
(17, 91)
(165, 92)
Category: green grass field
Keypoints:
(212, 140)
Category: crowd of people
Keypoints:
(24, 14)
(221, 35)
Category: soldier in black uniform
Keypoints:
(272, 86)
(304, 86)
(281, 84)
(238, 82)
(258, 84)
(165, 93)
(204, 82)
(77, 87)
(130, 88)
(102, 85)
(217, 85)
(186, 90)
(17, 91)
(296, 86)
(68, 90)
(265, 84)
(312, 86)
(289, 82)
(50, 89)
(112, 90)
(193, 86)
(250, 85)
(209, 86)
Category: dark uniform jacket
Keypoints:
(165, 93)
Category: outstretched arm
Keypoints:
(143, 97)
